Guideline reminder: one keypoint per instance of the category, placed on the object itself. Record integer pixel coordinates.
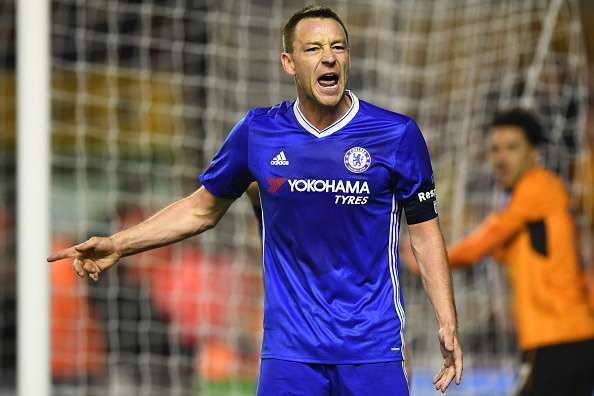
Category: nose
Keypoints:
(328, 56)
(500, 160)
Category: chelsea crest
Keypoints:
(357, 160)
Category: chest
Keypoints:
(342, 169)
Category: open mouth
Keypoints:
(328, 80)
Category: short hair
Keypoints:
(311, 11)
(525, 120)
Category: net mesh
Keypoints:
(143, 94)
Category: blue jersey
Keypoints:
(331, 203)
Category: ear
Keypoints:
(534, 154)
(288, 64)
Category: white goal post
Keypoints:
(33, 170)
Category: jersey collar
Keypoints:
(336, 126)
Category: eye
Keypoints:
(311, 49)
(338, 47)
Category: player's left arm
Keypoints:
(415, 192)
(429, 251)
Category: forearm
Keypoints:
(486, 239)
(182, 219)
(429, 250)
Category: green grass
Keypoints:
(230, 388)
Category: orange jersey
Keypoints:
(535, 236)
(78, 345)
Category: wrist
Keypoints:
(448, 328)
(117, 244)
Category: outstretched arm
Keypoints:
(189, 216)
(429, 251)
(530, 200)
(487, 239)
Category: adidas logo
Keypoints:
(280, 159)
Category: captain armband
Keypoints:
(422, 205)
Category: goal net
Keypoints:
(143, 94)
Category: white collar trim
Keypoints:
(336, 126)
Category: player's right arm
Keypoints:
(492, 234)
(182, 219)
(226, 178)
(526, 204)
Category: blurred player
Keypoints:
(335, 174)
(534, 235)
(78, 342)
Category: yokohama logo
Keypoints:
(317, 185)
(275, 183)
(333, 186)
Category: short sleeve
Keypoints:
(415, 188)
(228, 175)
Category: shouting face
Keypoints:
(319, 61)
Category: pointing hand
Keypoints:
(91, 257)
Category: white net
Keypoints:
(143, 94)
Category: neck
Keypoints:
(322, 117)
(522, 174)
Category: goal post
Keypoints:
(33, 170)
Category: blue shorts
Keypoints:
(287, 378)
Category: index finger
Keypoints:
(458, 365)
(62, 254)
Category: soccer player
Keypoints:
(335, 174)
(534, 236)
